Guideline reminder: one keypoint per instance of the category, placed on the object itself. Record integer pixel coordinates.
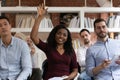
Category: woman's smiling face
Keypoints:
(61, 36)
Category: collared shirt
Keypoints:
(81, 53)
(99, 52)
(15, 60)
(37, 58)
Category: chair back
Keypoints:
(44, 68)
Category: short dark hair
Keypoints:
(99, 20)
(4, 17)
(84, 30)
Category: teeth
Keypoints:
(60, 39)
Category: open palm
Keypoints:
(41, 10)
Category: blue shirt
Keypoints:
(99, 52)
(15, 60)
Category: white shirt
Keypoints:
(37, 58)
(81, 55)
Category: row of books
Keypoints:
(27, 21)
(74, 22)
(114, 21)
(76, 44)
(88, 22)
(24, 20)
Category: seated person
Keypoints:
(81, 53)
(60, 54)
(15, 60)
(37, 57)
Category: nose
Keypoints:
(101, 29)
(84, 37)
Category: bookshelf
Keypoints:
(102, 10)
(44, 32)
(80, 10)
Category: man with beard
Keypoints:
(81, 53)
(103, 58)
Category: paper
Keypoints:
(58, 78)
(115, 58)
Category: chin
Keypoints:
(60, 43)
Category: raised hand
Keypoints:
(41, 11)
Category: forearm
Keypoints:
(34, 32)
(24, 74)
(97, 69)
(103, 65)
(73, 74)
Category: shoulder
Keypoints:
(79, 49)
(94, 47)
(18, 41)
(114, 42)
(15, 39)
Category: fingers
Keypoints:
(46, 11)
(118, 62)
(106, 63)
(41, 6)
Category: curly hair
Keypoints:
(67, 45)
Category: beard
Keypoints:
(86, 41)
(102, 34)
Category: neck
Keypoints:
(60, 47)
(102, 39)
(88, 44)
(6, 40)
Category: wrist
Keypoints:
(101, 66)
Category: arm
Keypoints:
(34, 33)
(73, 67)
(90, 62)
(73, 74)
(91, 67)
(97, 69)
(25, 62)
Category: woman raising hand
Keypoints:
(58, 49)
